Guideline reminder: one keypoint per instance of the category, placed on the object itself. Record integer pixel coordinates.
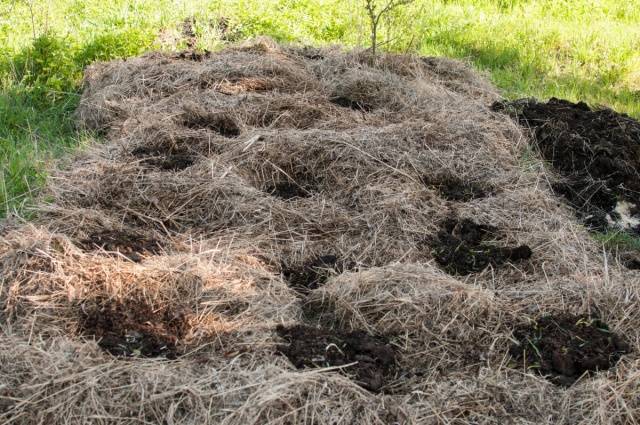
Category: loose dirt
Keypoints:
(565, 347)
(371, 359)
(346, 102)
(132, 328)
(462, 247)
(289, 190)
(220, 122)
(597, 151)
(131, 245)
(163, 158)
(310, 274)
(453, 189)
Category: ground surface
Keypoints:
(240, 247)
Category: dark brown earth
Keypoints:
(312, 273)
(168, 159)
(131, 245)
(309, 347)
(462, 247)
(132, 328)
(220, 122)
(597, 151)
(565, 347)
(453, 189)
(346, 102)
(289, 190)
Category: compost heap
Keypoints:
(290, 235)
(595, 152)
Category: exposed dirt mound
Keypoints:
(370, 359)
(289, 190)
(454, 189)
(565, 347)
(310, 274)
(129, 244)
(220, 122)
(598, 153)
(132, 328)
(164, 158)
(463, 247)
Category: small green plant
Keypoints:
(375, 12)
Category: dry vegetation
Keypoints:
(222, 171)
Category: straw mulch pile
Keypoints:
(248, 196)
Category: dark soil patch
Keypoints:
(289, 190)
(596, 151)
(312, 273)
(131, 245)
(345, 102)
(565, 347)
(461, 247)
(132, 328)
(453, 189)
(164, 158)
(193, 55)
(309, 347)
(220, 122)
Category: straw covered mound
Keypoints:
(300, 236)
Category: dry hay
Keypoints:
(150, 285)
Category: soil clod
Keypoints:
(371, 359)
(169, 159)
(345, 102)
(132, 328)
(219, 122)
(454, 189)
(131, 245)
(311, 274)
(461, 248)
(289, 190)
(565, 347)
(596, 151)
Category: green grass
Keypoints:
(618, 241)
(576, 49)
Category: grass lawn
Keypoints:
(575, 49)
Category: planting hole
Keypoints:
(311, 274)
(461, 248)
(131, 245)
(309, 347)
(565, 347)
(219, 122)
(453, 189)
(132, 328)
(346, 102)
(163, 158)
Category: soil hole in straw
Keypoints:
(595, 150)
(131, 245)
(312, 273)
(453, 189)
(462, 247)
(289, 190)
(164, 158)
(195, 56)
(346, 102)
(566, 346)
(219, 122)
(310, 347)
(132, 328)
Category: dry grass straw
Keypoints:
(195, 151)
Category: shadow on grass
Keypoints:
(519, 76)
